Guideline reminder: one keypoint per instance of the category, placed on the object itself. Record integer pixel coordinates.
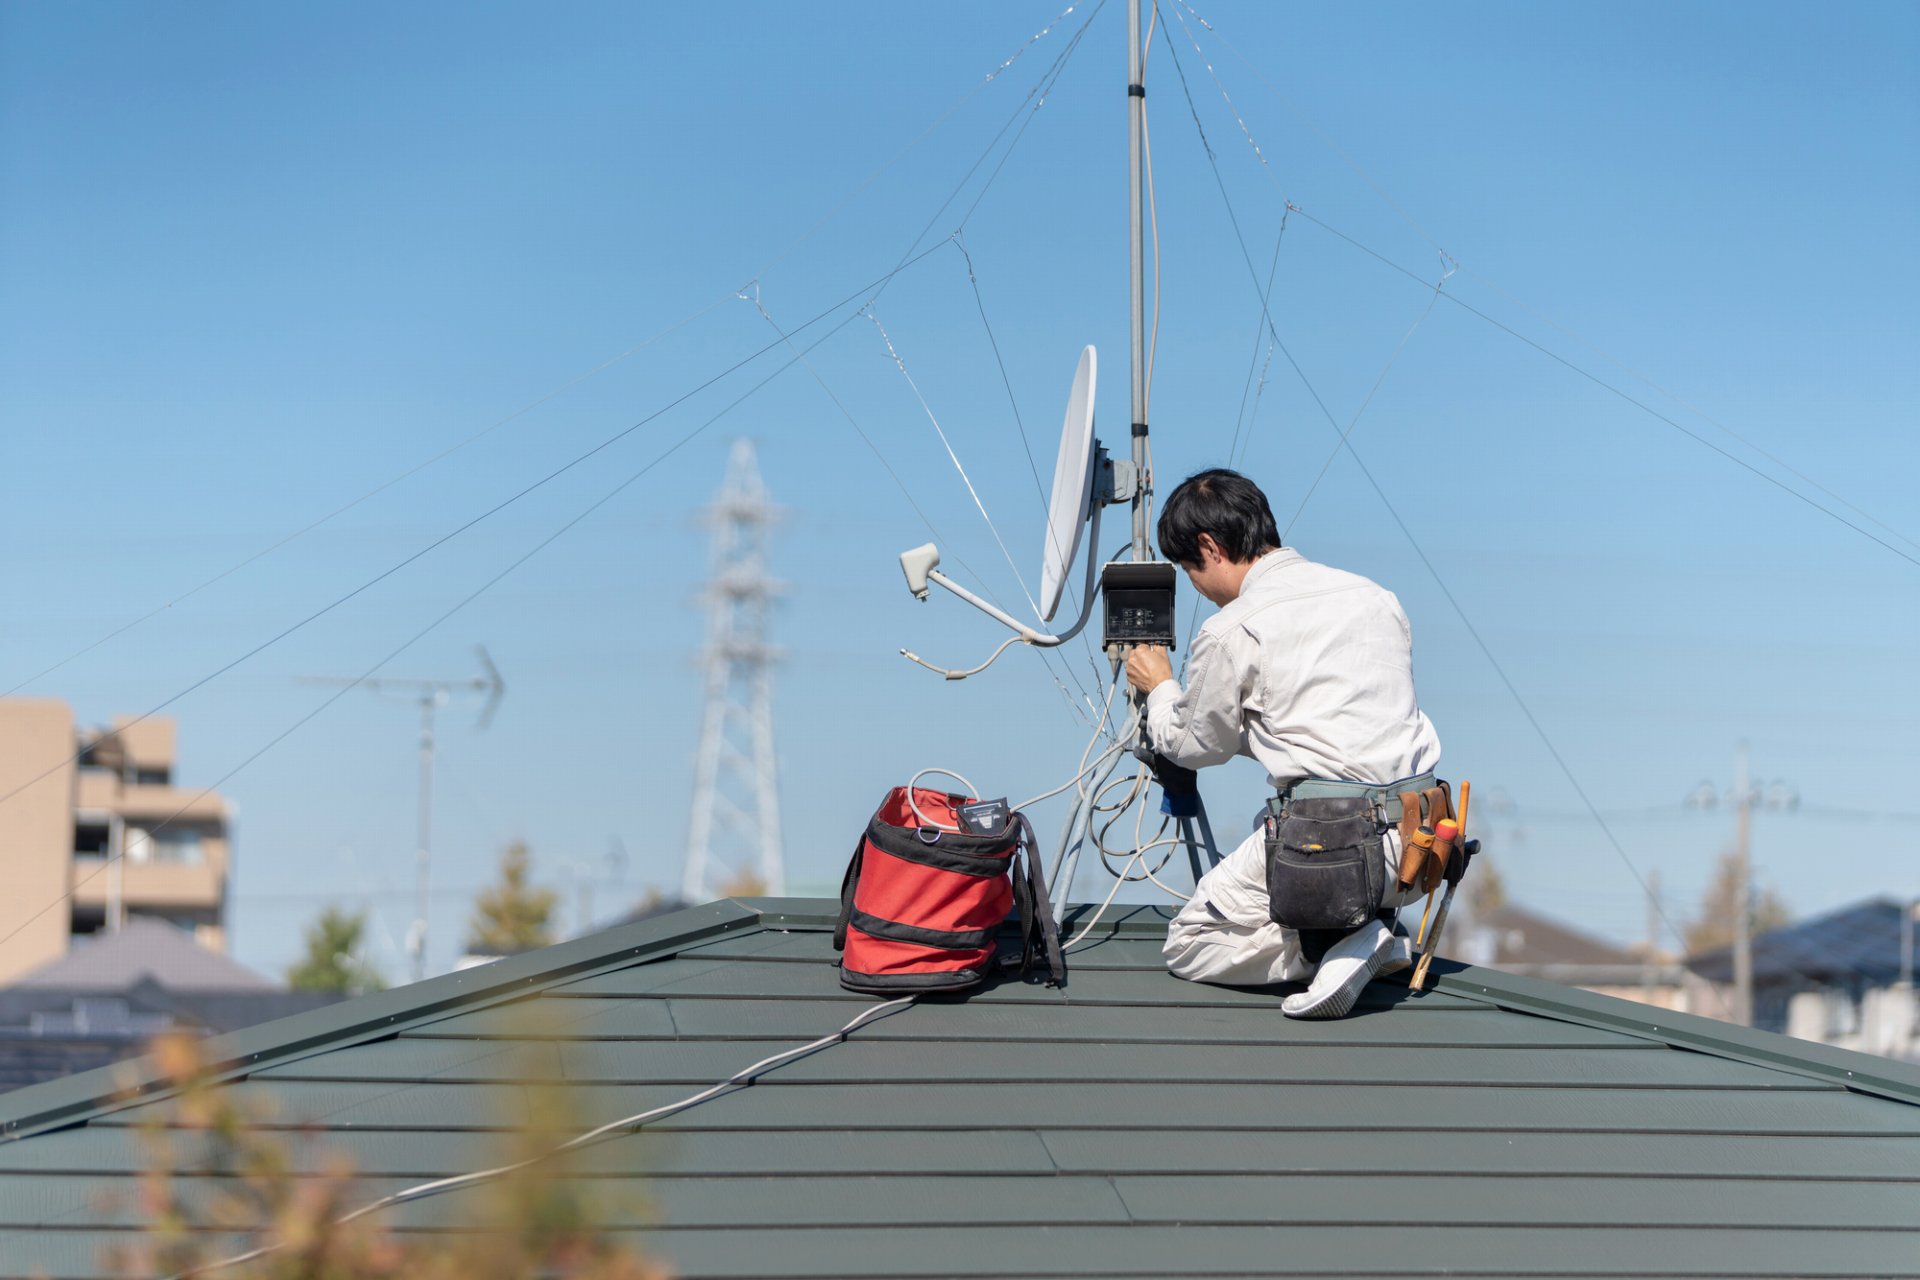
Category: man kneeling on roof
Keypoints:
(1308, 670)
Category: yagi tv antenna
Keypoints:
(1084, 481)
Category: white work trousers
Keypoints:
(1225, 934)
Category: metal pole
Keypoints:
(1650, 961)
(1743, 896)
(1906, 943)
(116, 854)
(424, 857)
(1136, 205)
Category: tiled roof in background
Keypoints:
(145, 949)
(1857, 942)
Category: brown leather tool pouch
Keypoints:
(1435, 805)
(1413, 856)
(1326, 863)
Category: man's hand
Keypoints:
(1147, 666)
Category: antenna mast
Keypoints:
(1136, 207)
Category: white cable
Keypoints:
(954, 673)
(738, 1079)
(925, 821)
(1095, 920)
(1048, 795)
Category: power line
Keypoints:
(491, 511)
(564, 387)
(473, 595)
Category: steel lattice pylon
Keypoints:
(734, 831)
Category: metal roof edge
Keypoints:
(73, 1099)
(1860, 1072)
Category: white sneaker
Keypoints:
(1349, 965)
(1400, 958)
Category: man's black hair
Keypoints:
(1223, 504)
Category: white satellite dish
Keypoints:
(1074, 504)
(1072, 486)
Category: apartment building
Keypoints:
(93, 830)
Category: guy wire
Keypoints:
(867, 440)
(1347, 445)
(1514, 333)
(1039, 490)
(1360, 171)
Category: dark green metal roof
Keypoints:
(1128, 1125)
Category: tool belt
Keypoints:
(1326, 854)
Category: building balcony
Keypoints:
(104, 792)
(158, 886)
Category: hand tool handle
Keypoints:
(1419, 982)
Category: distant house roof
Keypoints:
(1855, 943)
(46, 1033)
(1129, 1124)
(105, 1000)
(142, 950)
(1522, 937)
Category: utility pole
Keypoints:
(739, 691)
(1743, 894)
(430, 695)
(1745, 798)
(1649, 962)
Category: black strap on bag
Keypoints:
(848, 883)
(1036, 909)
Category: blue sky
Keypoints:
(256, 261)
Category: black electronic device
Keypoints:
(1139, 602)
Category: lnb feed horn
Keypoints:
(1074, 505)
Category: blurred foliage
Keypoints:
(744, 884)
(219, 1183)
(1713, 926)
(1486, 891)
(333, 961)
(512, 916)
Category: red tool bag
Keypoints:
(923, 902)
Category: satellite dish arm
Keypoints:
(919, 566)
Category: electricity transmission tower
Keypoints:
(734, 831)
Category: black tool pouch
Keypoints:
(1326, 862)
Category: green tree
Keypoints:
(1713, 926)
(1486, 891)
(333, 961)
(512, 916)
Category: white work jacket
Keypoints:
(1308, 671)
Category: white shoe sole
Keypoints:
(1336, 1002)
